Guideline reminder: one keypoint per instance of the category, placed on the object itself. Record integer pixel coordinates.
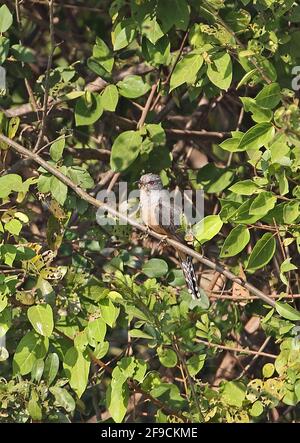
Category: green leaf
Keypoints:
(51, 367)
(155, 267)
(257, 136)
(156, 134)
(102, 55)
(235, 242)
(291, 212)
(241, 215)
(151, 29)
(297, 389)
(4, 49)
(282, 181)
(22, 54)
(238, 20)
(232, 144)
(219, 71)
(207, 228)
(234, 393)
(109, 98)
(186, 70)
(14, 226)
(268, 370)
(269, 96)
(287, 311)
(6, 18)
(123, 34)
(279, 147)
(117, 396)
(133, 86)
(31, 347)
(109, 312)
(256, 409)
(244, 187)
(63, 398)
(41, 318)
(5, 321)
(158, 54)
(101, 349)
(262, 253)
(44, 183)
(195, 363)
(8, 253)
(77, 366)
(88, 109)
(10, 183)
(286, 266)
(173, 13)
(56, 149)
(246, 77)
(125, 150)
(58, 190)
(137, 333)
(37, 370)
(34, 409)
(262, 204)
(167, 357)
(13, 126)
(80, 177)
(96, 330)
(259, 114)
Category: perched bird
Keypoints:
(162, 216)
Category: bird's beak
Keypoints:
(137, 182)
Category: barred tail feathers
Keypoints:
(190, 277)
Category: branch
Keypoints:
(234, 349)
(94, 202)
(47, 77)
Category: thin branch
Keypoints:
(147, 106)
(175, 244)
(172, 69)
(234, 349)
(197, 134)
(47, 77)
(253, 360)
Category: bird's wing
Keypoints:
(169, 217)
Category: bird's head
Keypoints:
(150, 182)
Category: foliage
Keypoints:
(88, 318)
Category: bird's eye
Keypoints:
(151, 183)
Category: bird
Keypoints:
(159, 214)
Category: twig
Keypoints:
(191, 382)
(234, 349)
(253, 360)
(147, 106)
(177, 245)
(197, 134)
(47, 76)
(215, 294)
(172, 69)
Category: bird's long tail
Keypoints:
(190, 276)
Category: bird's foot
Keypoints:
(163, 241)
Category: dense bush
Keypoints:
(95, 321)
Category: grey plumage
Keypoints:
(163, 217)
